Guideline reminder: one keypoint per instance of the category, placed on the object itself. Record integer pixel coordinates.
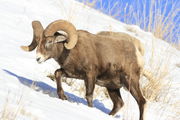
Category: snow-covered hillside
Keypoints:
(26, 91)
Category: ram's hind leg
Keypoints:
(116, 99)
(58, 74)
(134, 88)
(136, 92)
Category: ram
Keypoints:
(97, 59)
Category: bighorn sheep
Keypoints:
(97, 59)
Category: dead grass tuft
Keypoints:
(153, 16)
(15, 109)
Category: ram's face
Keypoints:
(44, 50)
(49, 42)
(50, 47)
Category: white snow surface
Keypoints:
(19, 70)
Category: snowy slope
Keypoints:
(19, 70)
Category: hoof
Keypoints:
(62, 97)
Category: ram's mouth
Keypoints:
(41, 58)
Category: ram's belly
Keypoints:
(109, 83)
(75, 74)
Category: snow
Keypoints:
(24, 81)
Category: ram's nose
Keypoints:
(38, 59)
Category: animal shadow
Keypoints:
(51, 91)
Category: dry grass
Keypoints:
(160, 24)
(161, 89)
(160, 70)
(153, 16)
(14, 108)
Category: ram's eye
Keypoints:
(49, 42)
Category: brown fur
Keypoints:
(124, 36)
(139, 52)
(98, 59)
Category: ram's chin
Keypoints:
(41, 58)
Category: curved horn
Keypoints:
(37, 35)
(66, 27)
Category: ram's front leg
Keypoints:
(58, 74)
(90, 84)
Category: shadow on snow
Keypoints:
(51, 91)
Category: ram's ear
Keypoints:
(60, 38)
